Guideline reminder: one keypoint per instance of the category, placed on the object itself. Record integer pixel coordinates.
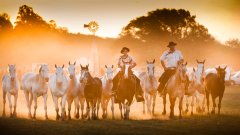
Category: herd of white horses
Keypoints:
(70, 89)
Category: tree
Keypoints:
(27, 17)
(234, 43)
(5, 23)
(165, 24)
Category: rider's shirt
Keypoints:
(125, 60)
(171, 59)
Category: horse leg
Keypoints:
(87, 115)
(172, 104)
(180, 107)
(82, 106)
(207, 97)
(164, 104)
(63, 102)
(192, 105)
(76, 107)
(127, 111)
(107, 106)
(120, 108)
(4, 103)
(15, 105)
(187, 105)
(35, 105)
(219, 104)
(69, 100)
(97, 102)
(112, 107)
(146, 98)
(10, 103)
(203, 103)
(214, 105)
(103, 107)
(55, 100)
(45, 105)
(28, 104)
(153, 105)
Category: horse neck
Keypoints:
(41, 79)
(74, 80)
(178, 77)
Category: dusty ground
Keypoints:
(227, 123)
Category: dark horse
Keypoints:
(92, 92)
(215, 85)
(126, 90)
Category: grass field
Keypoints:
(227, 123)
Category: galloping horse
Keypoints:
(175, 87)
(92, 92)
(215, 85)
(107, 83)
(126, 90)
(10, 86)
(196, 88)
(149, 84)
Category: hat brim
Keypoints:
(125, 50)
(171, 45)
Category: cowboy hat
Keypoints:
(171, 44)
(125, 49)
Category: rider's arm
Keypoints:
(180, 57)
(162, 58)
(119, 63)
(133, 65)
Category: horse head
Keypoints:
(200, 72)
(59, 74)
(109, 72)
(125, 70)
(12, 71)
(71, 69)
(182, 70)
(84, 74)
(44, 72)
(221, 72)
(150, 68)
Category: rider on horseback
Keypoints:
(125, 58)
(169, 61)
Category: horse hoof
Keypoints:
(180, 117)
(191, 113)
(144, 112)
(77, 116)
(4, 114)
(186, 111)
(11, 115)
(212, 112)
(46, 117)
(164, 113)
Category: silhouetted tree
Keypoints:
(166, 24)
(27, 17)
(5, 23)
(235, 43)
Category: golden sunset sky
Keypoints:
(221, 17)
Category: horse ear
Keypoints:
(197, 60)
(225, 68)
(81, 66)
(194, 70)
(74, 63)
(63, 66)
(203, 61)
(153, 61)
(69, 63)
(8, 65)
(147, 61)
(186, 64)
(105, 66)
(55, 66)
(112, 66)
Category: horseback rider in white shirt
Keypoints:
(169, 61)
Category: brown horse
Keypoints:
(126, 90)
(215, 85)
(92, 92)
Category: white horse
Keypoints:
(10, 86)
(149, 84)
(58, 85)
(73, 90)
(36, 85)
(196, 88)
(107, 85)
